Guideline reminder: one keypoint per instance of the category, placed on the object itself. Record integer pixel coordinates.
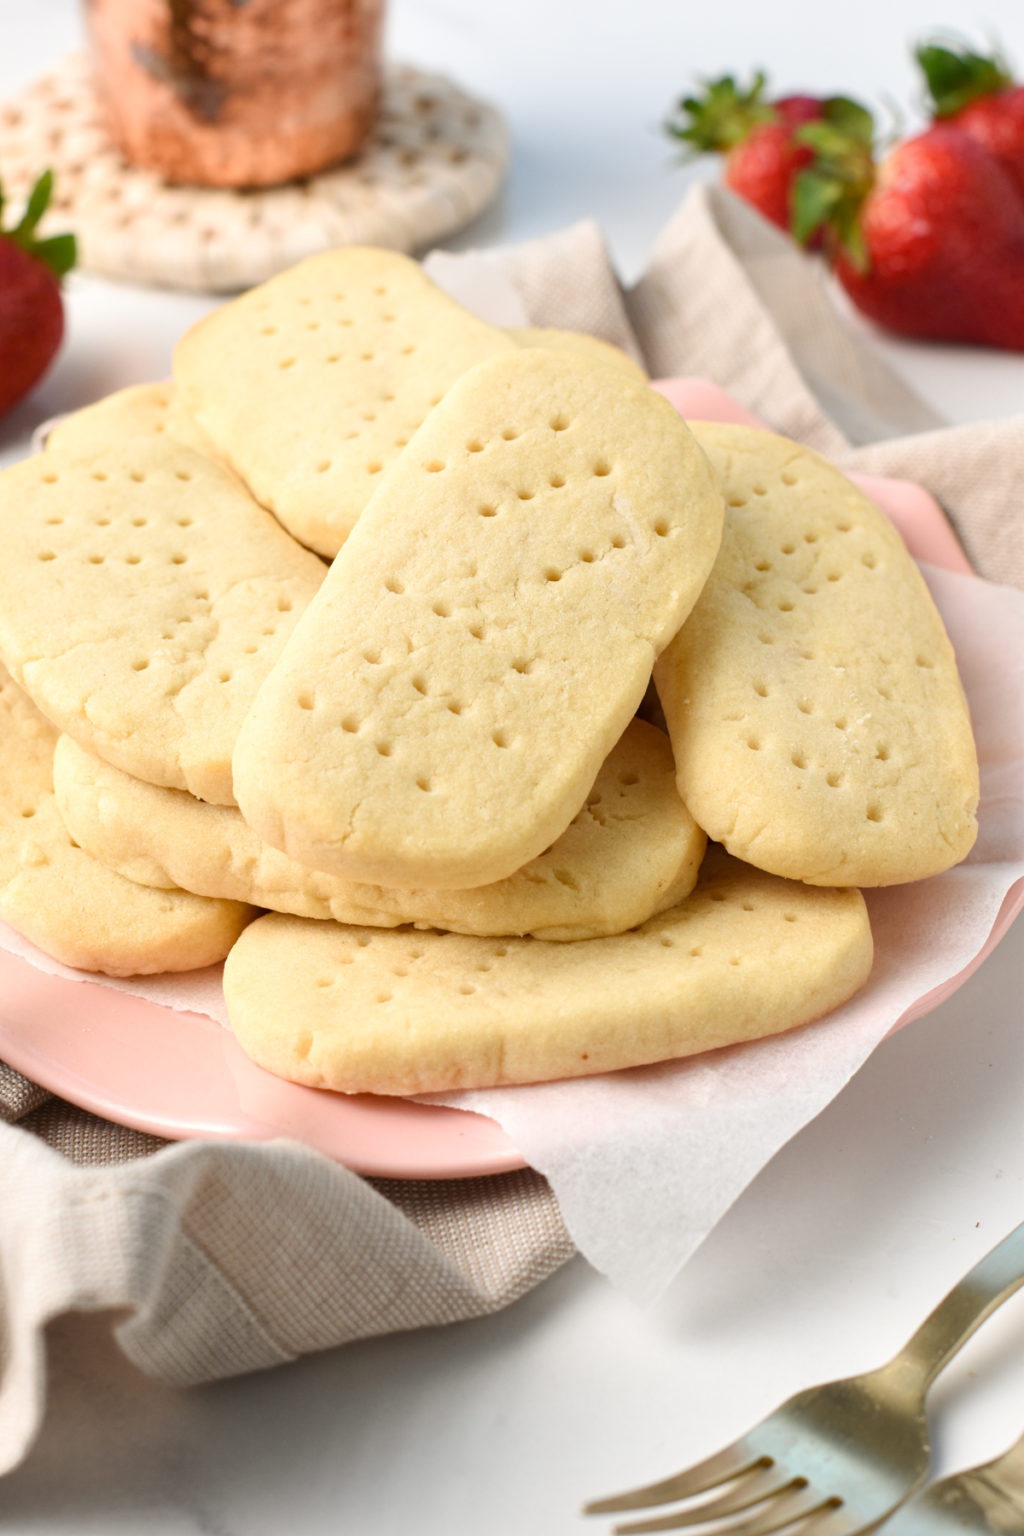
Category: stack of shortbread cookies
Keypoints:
(423, 762)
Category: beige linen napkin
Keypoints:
(228, 1258)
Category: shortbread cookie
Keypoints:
(312, 384)
(577, 341)
(142, 410)
(812, 697)
(366, 1011)
(633, 849)
(70, 905)
(484, 637)
(146, 596)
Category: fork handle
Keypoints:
(965, 1308)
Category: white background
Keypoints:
(832, 1256)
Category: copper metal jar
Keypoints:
(237, 93)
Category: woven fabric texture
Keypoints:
(435, 158)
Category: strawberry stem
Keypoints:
(722, 117)
(829, 194)
(957, 76)
(58, 252)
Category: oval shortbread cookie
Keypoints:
(311, 384)
(487, 632)
(141, 410)
(632, 850)
(146, 597)
(401, 1013)
(581, 342)
(70, 905)
(812, 697)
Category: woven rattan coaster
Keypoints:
(435, 158)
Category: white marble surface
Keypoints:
(835, 1252)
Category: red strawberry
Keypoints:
(978, 95)
(756, 137)
(31, 312)
(930, 243)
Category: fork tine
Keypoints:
(724, 1467)
(794, 1512)
(743, 1493)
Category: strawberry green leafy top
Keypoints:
(58, 252)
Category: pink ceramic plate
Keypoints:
(181, 1074)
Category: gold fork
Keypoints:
(836, 1459)
(983, 1501)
